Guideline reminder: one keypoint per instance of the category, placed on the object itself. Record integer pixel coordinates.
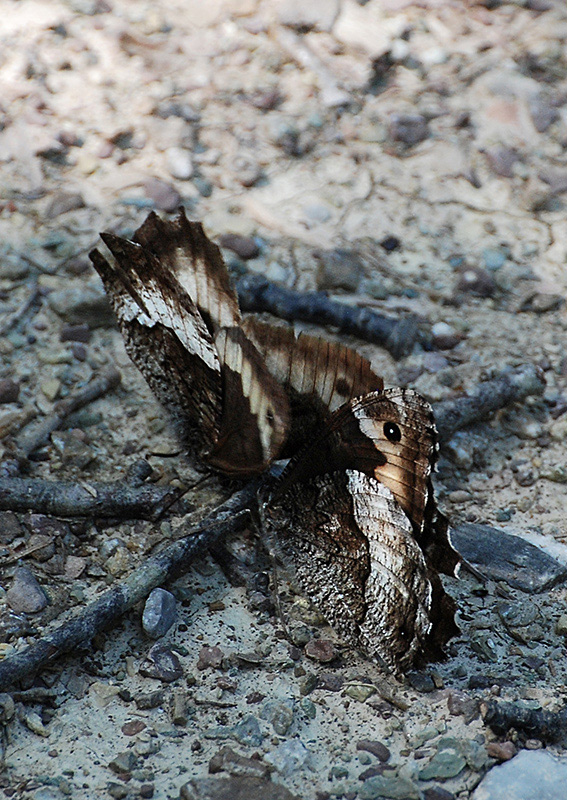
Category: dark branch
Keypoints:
(511, 386)
(547, 726)
(157, 570)
(258, 294)
(117, 500)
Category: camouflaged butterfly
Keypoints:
(354, 511)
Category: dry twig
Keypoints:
(37, 435)
(547, 726)
(511, 386)
(157, 570)
(116, 499)
(20, 312)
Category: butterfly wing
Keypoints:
(389, 436)
(179, 315)
(166, 337)
(354, 554)
(185, 251)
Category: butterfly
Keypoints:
(354, 511)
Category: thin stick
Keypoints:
(511, 386)
(256, 293)
(20, 312)
(115, 500)
(155, 571)
(36, 436)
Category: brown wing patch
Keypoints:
(255, 416)
(327, 371)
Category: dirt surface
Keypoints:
(426, 141)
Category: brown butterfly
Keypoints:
(354, 511)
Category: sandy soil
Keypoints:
(304, 127)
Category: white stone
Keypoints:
(179, 163)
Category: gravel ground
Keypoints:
(406, 156)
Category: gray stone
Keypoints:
(25, 595)
(339, 269)
(84, 304)
(123, 762)
(248, 732)
(279, 714)
(62, 202)
(74, 452)
(421, 681)
(10, 527)
(164, 195)
(531, 775)
(444, 764)
(504, 557)
(408, 128)
(393, 788)
(159, 613)
(234, 788)
(9, 390)
(289, 757)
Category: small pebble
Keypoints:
(162, 663)
(376, 748)
(502, 160)
(339, 269)
(247, 171)
(117, 790)
(210, 657)
(164, 195)
(421, 681)
(9, 390)
(561, 625)
(501, 751)
(245, 247)
(147, 790)
(179, 163)
(159, 613)
(444, 336)
(477, 282)
(321, 650)
(133, 727)
(409, 129)
(390, 243)
(76, 333)
(85, 305)
(147, 700)
(62, 202)
(248, 732)
(533, 744)
(25, 595)
(494, 259)
(437, 793)
(123, 762)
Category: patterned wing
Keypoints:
(355, 556)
